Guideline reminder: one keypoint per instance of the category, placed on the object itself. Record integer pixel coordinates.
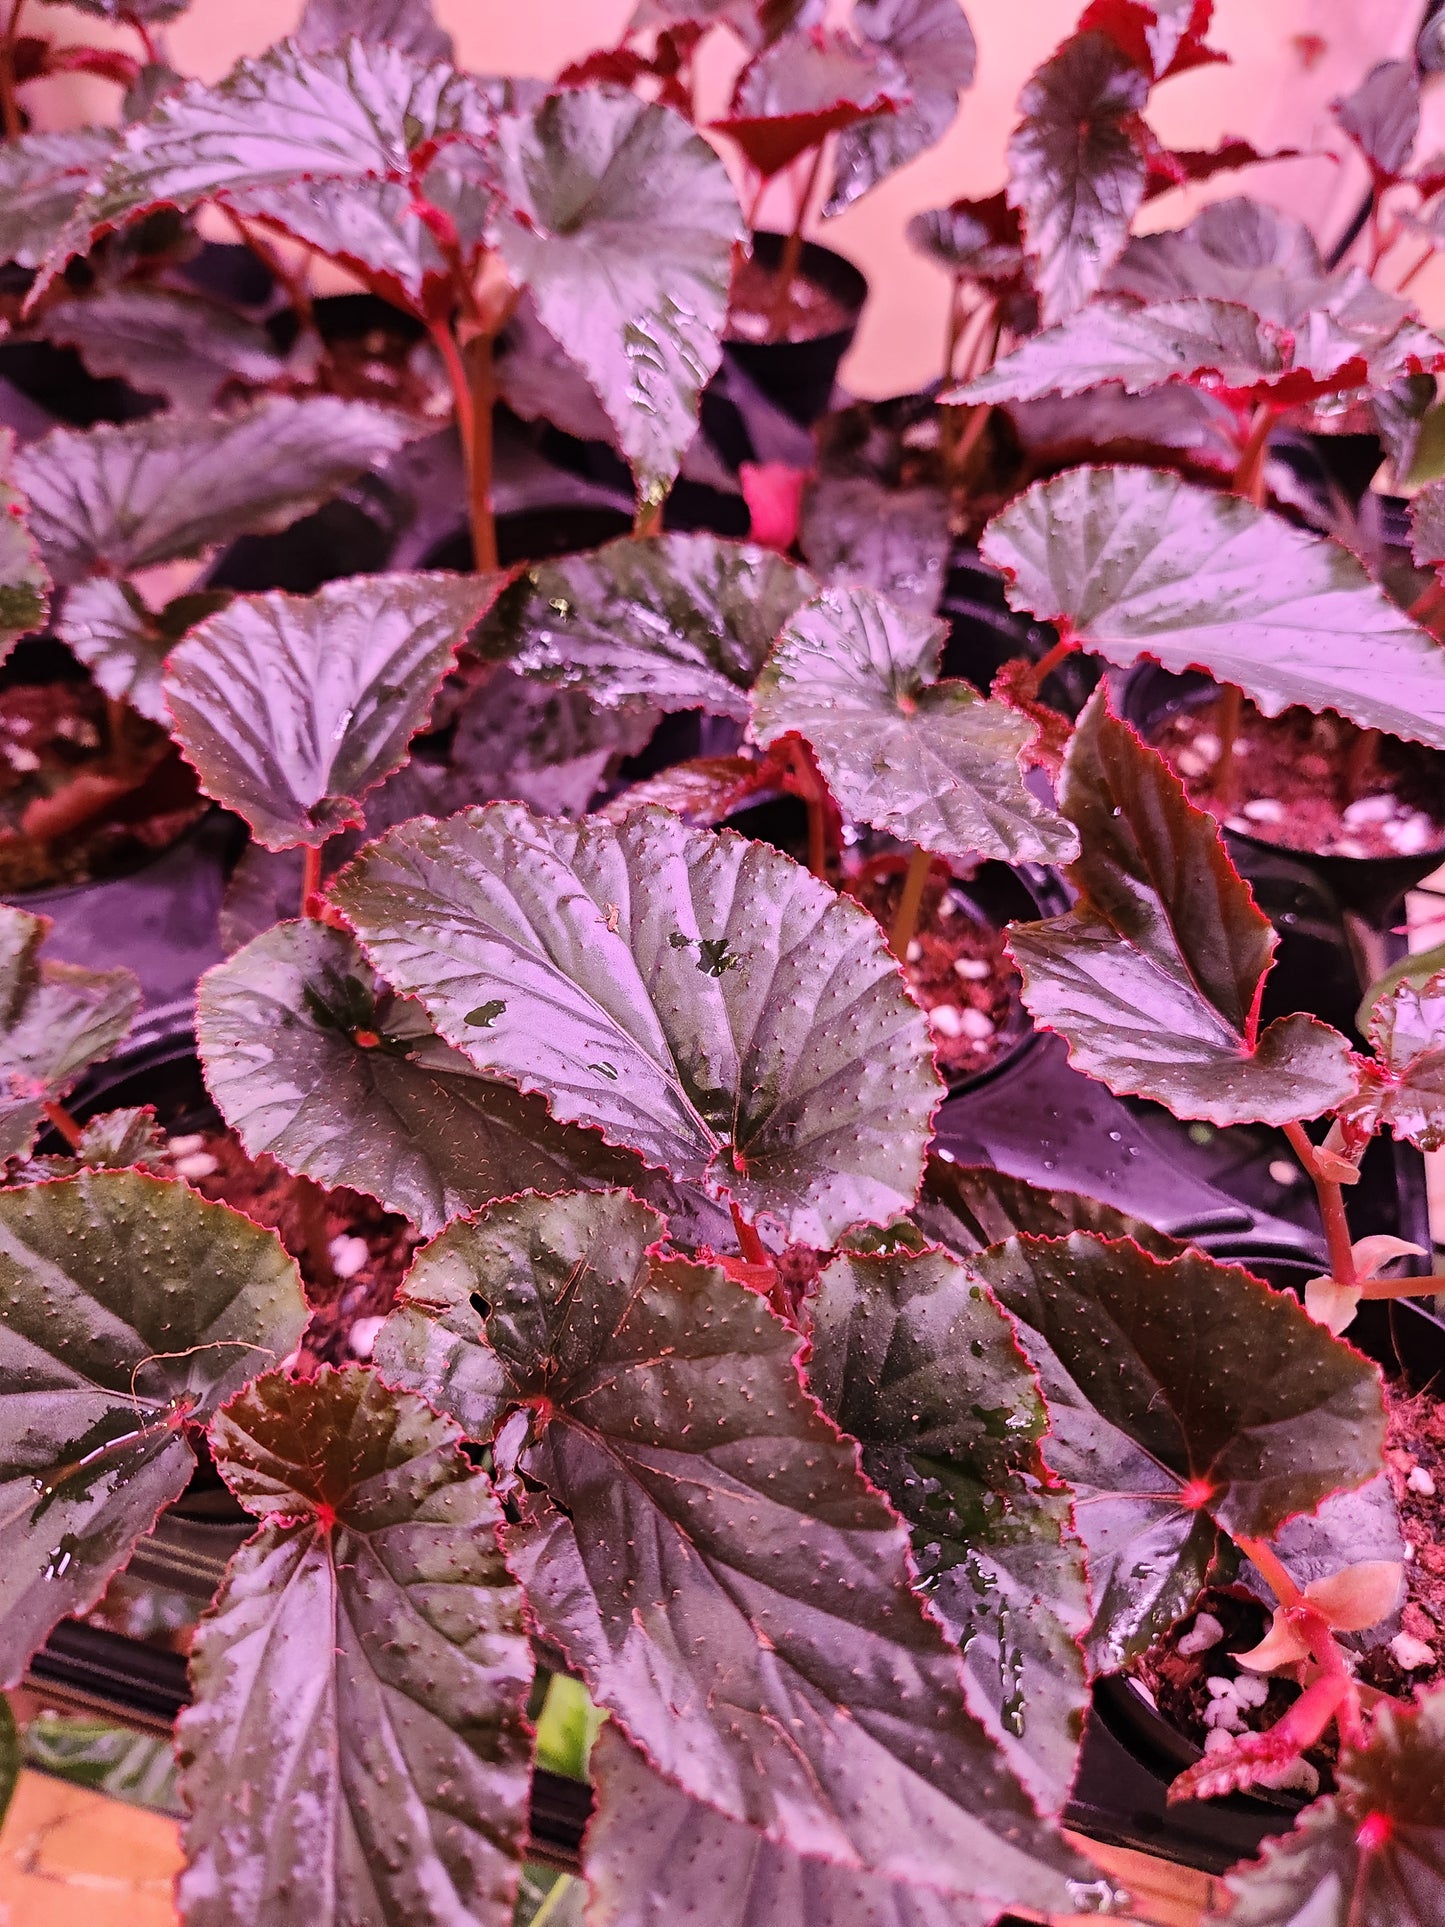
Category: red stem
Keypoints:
(793, 248)
(1410, 273)
(754, 1251)
(9, 103)
(1249, 475)
(1427, 605)
(1049, 661)
(1332, 1209)
(473, 395)
(144, 33)
(311, 905)
(63, 1122)
(1271, 1570)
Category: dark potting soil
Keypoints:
(809, 313)
(1308, 782)
(1186, 1685)
(352, 1253)
(956, 967)
(87, 788)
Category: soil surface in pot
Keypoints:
(87, 788)
(352, 1253)
(1307, 782)
(809, 313)
(956, 967)
(1192, 1672)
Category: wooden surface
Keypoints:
(72, 1858)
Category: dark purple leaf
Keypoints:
(132, 1308)
(1181, 1393)
(704, 791)
(407, 24)
(667, 1422)
(982, 239)
(804, 86)
(291, 707)
(1077, 170)
(697, 998)
(912, 1360)
(286, 1031)
(676, 621)
(969, 1208)
(1373, 1853)
(1171, 167)
(1136, 564)
(1164, 37)
(1382, 117)
(1154, 978)
(1403, 1085)
(357, 1747)
(123, 642)
(931, 762)
(857, 530)
(933, 43)
(180, 346)
(654, 1856)
(56, 1020)
(621, 221)
(43, 180)
(1107, 424)
(105, 500)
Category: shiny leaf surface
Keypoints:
(969, 1208)
(357, 1748)
(292, 707)
(1180, 1392)
(43, 180)
(669, 1418)
(697, 998)
(895, 540)
(131, 1308)
(679, 621)
(931, 762)
(123, 642)
(1139, 564)
(914, 1361)
(806, 85)
(933, 43)
(179, 346)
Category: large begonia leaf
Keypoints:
(1181, 1393)
(123, 642)
(291, 707)
(132, 1308)
(1077, 169)
(667, 1415)
(653, 1856)
(24, 579)
(1154, 977)
(808, 84)
(970, 1207)
(357, 1747)
(621, 221)
(1218, 345)
(1382, 117)
(407, 24)
(679, 621)
(895, 540)
(359, 112)
(55, 1021)
(286, 1030)
(695, 997)
(933, 43)
(1134, 564)
(1403, 1084)
(179, 346)
(931, 762)
(1372, 1854)
(43, 180)
(916, 1363)
(106, 500)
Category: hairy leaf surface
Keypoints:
(1180, 1392)
(285, 1030)
(1154, 977)
(292, 707)
(680, 621)
(1077, 170)
(1139, 564)
(933, 43)
(668, 1417)
(654, 1856)
(132, 1307)
(106, 500)
(931, 762)
(695, 997)
(1370, 1855)
(56, 1020)
(621, 221)
(357, 1747)
(913, 1360)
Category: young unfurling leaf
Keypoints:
(1155, 976)
(667, 1412)
(1402, 1086)
(363, 1674)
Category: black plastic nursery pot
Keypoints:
(800, 376)
(984, 633)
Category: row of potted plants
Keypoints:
(631, 935)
